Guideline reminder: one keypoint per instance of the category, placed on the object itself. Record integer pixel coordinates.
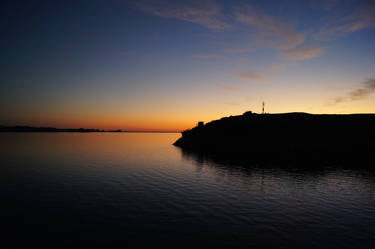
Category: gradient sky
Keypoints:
(164, 65)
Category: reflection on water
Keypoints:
(116, 190)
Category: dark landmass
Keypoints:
(48, 129)
(289, 137)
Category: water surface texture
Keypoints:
(119, 190)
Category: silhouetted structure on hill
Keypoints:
(263, 105)
(285, 136)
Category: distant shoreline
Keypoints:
(72, 130)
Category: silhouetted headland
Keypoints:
(287, 136)
(49, 129)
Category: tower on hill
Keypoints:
(263, 105)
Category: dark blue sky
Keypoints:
(165, 64)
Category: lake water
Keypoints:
(119, 190)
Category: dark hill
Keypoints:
(285, 136)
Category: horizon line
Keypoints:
(57, 129)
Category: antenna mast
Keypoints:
(263, 104)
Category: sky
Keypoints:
(165, 65)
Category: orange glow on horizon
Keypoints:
(178, 117)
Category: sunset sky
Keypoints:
(164, 65)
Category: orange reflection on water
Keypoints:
(100, 147)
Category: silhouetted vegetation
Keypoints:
(289, 137)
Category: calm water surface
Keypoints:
(118, 190)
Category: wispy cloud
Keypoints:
(239, 50)
(227, 87)
(274, 67)
(363, 17)
(273, 32)
(208, 56)
(268, 31)
(368, 87)
(206, 13)
(251, 77)
(303, 53)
